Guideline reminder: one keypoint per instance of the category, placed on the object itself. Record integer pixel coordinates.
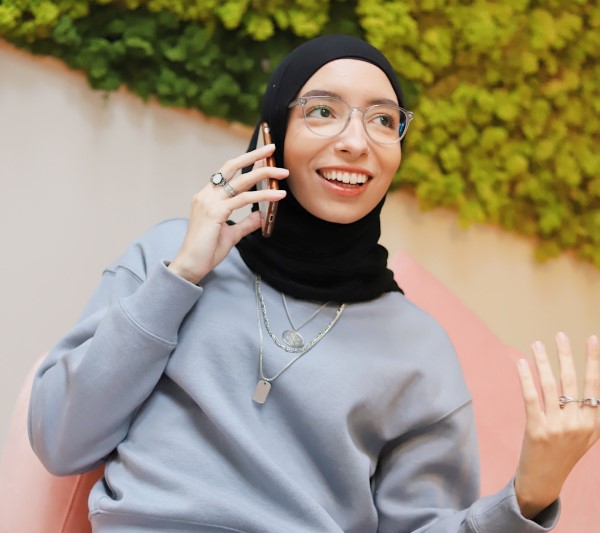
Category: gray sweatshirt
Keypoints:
(371, 430)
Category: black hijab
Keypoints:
(307, 257)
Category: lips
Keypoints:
(347, 178)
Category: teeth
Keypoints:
(345, 177)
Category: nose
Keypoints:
(354, 137)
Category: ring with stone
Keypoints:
(218, 179)
(229, 189)
(592, 402)
(564, 400)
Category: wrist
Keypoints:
(183, 272)
(531, 506)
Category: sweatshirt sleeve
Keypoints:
(427, 483)
(88, 388)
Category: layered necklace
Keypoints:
(292, 336)
(263, 387)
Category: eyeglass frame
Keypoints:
(302, 101)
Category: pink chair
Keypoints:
(37, 502)
(34, 501)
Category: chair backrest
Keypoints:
(34, 501)
(490, 371)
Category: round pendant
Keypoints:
(293, 338)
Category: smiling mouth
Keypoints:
(344, 178)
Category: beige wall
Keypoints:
(496, 274)
(82, 174)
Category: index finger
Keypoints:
(232, 166)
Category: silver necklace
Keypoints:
(293, 337)
(263, 387)
(275, 339)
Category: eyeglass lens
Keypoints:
(329, 116)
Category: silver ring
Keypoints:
(564, 400)
(230, 190)
(218, 179)
(592, 402)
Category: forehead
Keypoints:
(353, 80)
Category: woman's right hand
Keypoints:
(209, 238)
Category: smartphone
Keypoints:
(268, 210)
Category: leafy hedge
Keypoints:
(506, 94)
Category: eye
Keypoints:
(385, 120)
(319, 111)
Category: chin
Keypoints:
(333, 210)
(343, 219)
(338, 216)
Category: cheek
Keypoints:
(297, 155)
(393, 165)
(394, 159)
(389, 162)
(291, 149)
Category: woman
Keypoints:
(236, 383)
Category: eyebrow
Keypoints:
(323, 92)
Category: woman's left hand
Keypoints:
(556, 437)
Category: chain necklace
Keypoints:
(290, 349)
(263, 387)
(292, 337)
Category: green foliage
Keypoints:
(506, 94)
(210, 55)
(507, 123)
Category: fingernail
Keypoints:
(538, 347)
(523, 363)
(561, 338)
(594, 340)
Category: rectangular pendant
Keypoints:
(261, 391)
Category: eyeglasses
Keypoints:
(328, 116)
